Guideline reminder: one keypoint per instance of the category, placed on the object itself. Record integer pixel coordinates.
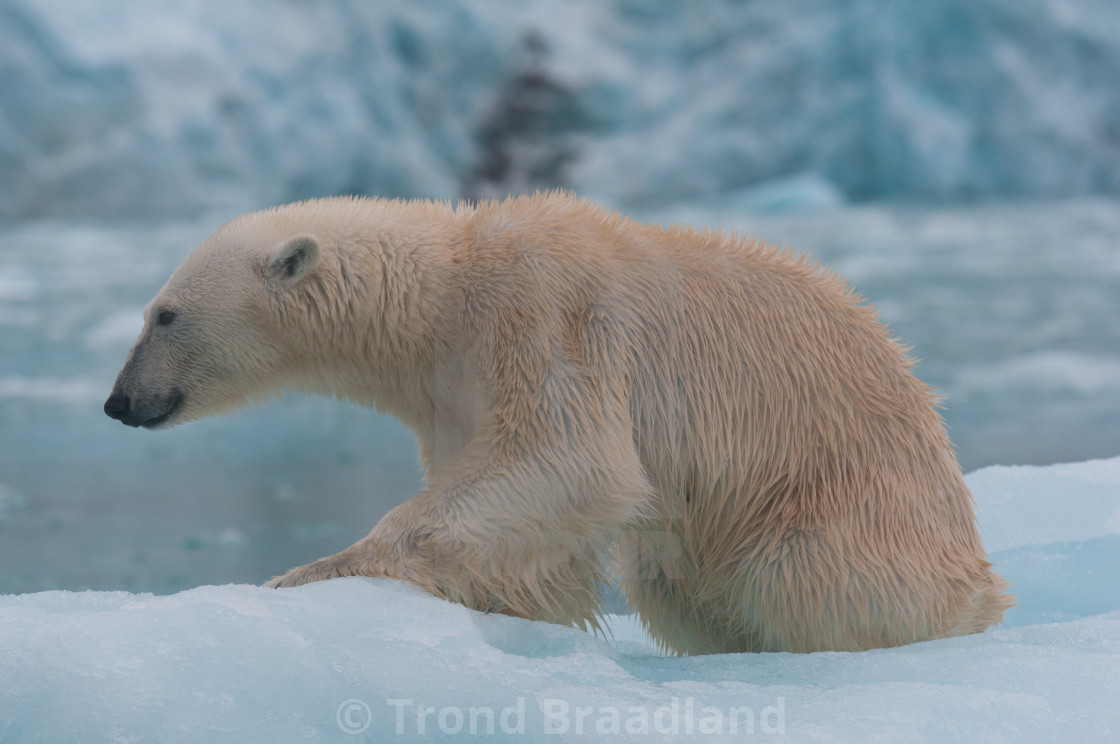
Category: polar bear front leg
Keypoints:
(522, 534)
(331, 567)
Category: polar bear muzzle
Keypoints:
(149, 411)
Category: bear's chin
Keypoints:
(164, 420)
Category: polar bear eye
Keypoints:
(166, 317)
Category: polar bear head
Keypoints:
(220, 332)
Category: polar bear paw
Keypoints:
(325, 568)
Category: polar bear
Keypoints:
(722, 427)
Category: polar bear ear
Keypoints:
(293, 259)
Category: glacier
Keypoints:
(373, 660)
(140, 109)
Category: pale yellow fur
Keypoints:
(725, 421)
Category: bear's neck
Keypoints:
(395, 270)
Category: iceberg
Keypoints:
(153, 109)
(373, 660)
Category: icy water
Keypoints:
(1013, 311)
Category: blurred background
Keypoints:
(958, 161)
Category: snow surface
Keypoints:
(378, 660)
(136, 108)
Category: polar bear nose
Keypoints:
(117, 406)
